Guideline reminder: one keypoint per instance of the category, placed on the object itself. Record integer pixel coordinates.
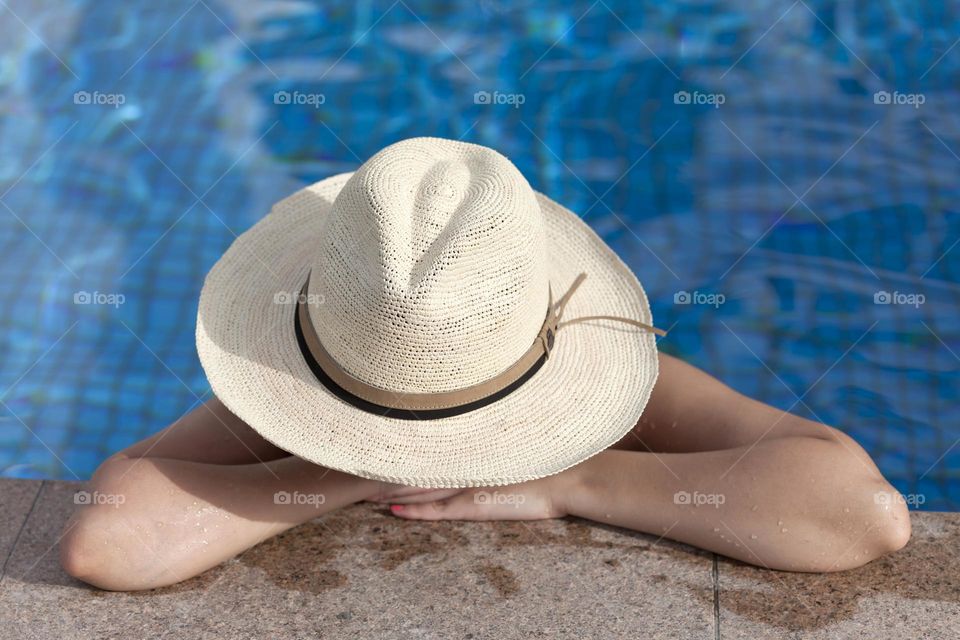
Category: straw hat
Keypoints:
(403, 323)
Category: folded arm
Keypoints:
(197, 493)
(712, 468)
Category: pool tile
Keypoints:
(914, 593)
(16, 499)
(361, 573)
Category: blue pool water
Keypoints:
(778, 165)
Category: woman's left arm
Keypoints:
(733, 475)
(797, 505)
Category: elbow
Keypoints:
(80, 555)
(90, 553)
(75, 559)
(888, 528)
(102, 555)
(892, 519)
(100, 545)
(860, 516)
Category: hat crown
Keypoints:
(432, 268)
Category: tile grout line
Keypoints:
(716, 597)
(23, 525)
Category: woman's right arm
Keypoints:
(192, 496)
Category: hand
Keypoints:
(534, 500)
(386, 493)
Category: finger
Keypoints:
(384, 489)
(406, 492)
(427, 496)
(459, 507)
(388, 491)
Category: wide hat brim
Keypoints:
(587, 395)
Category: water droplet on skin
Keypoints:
(754, 508)
(753, 536)
(715, 529)
(784, 530)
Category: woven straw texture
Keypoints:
(433, 249)
(429, 273)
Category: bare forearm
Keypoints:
(178, 518)
(802, 504)
(285, 492)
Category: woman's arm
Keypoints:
(712, 468)
(192, 496)
(794, 504)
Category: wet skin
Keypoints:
(705, 465)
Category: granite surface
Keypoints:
(361, 573)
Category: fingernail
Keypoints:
(396, 508)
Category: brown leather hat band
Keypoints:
(468, 396)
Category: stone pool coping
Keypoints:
(361, 573)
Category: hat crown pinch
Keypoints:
(432, 269)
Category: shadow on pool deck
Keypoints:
(362, 573)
